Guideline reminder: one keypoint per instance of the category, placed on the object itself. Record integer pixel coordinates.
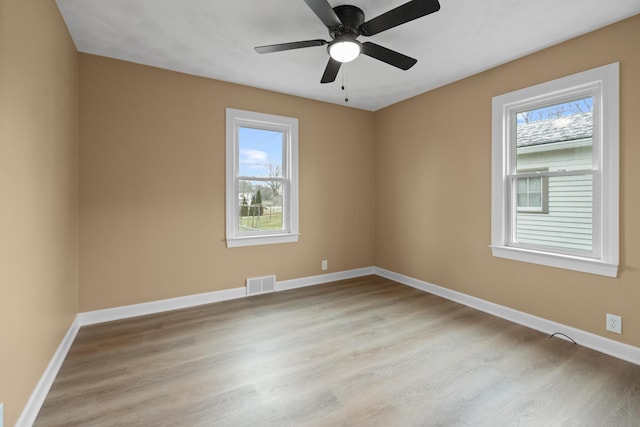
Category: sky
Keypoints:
(558, 110)
(259, 149)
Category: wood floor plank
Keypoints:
(364, 351)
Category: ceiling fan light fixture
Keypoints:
(344, 50)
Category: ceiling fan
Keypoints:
(346, 23)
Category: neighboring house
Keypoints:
(555, 210)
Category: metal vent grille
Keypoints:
(261, 285)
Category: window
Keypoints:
(532, 194)
(262, 178)
(555, 170)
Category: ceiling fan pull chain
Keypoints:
(344, 84)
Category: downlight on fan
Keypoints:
(344, 50)
(346, 23)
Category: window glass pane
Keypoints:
(535, 200)
(260, 206)
(568, 222)
(260, 152)
(522, 200)
(535, 185)
(557, 137)
(522, 185)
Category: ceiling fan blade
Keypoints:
(389, 56)
(288, 46)
(400, 15)
(324, 11)
(331, 72)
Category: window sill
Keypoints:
(270, 239)
(569, 262)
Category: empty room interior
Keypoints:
(407, 279)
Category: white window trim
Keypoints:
(605, 81)
(234, 120)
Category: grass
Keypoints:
(267, 222)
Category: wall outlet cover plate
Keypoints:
(614, 323)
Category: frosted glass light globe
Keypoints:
(345, 50)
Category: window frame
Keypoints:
(235, 119)
(603, 84)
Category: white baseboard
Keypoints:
(135, 310)
(583, 338)
(285, 285)
(31, 409)
(586, 339)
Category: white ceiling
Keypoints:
(215, 38)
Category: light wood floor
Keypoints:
(366, 352)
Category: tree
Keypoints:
(256, 209)
(525, 116)
(244, 208)
(585, 107)
(275, 185)
(258, 202)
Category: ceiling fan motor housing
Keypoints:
(351, 17)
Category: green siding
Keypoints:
(568, 221)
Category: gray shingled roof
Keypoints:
(566, 128)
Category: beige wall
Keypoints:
(152, 183)
(38, 187)
(152, 189)
(434, 208)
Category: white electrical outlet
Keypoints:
(614, 323)
(325, 264)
